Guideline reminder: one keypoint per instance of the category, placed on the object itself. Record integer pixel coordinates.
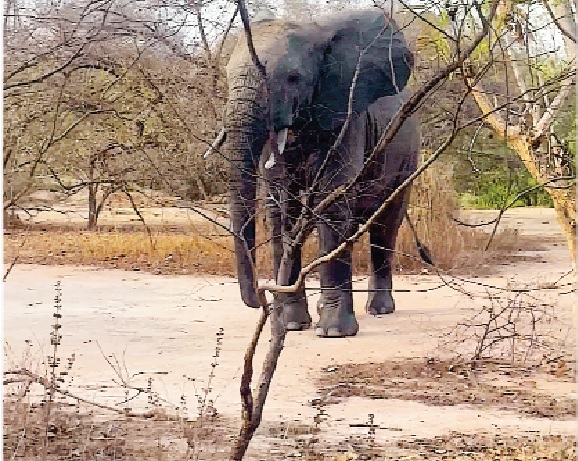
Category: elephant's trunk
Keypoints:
(246, 135)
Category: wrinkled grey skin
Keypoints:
(310, 69)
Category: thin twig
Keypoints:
(556, 20)
(33, 377)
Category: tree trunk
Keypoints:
(539, 165)
(92, 207)
(564, 198)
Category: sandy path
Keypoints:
(167, 325)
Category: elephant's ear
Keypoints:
(385, 66)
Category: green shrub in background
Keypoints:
(499, 186)
(489, 175)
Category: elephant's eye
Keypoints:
(293, 78)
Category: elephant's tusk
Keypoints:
(270, 163)
(281, 140)
(218, 142)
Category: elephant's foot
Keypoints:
(336, 317)
(296, 319)
(296, 315)
(381, 303)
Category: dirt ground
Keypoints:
(392, 389)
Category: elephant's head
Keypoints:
(310, 68)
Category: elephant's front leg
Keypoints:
(336, 316)
(382, 237)
(283, 212)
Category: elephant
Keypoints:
(282, 126)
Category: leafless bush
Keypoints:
(514, 328)
(108, 96)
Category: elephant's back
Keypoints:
(364, 15)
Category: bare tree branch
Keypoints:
(247, 27)
(545, 122)
(556, 21)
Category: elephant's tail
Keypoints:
(423, 251)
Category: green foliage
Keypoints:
(489, 175)
(499, 186)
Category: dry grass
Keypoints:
(69, 431)
(72, 433)
(490, 447)
(164, 252)
(210, 252)
(205, 248)
(447, 383)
